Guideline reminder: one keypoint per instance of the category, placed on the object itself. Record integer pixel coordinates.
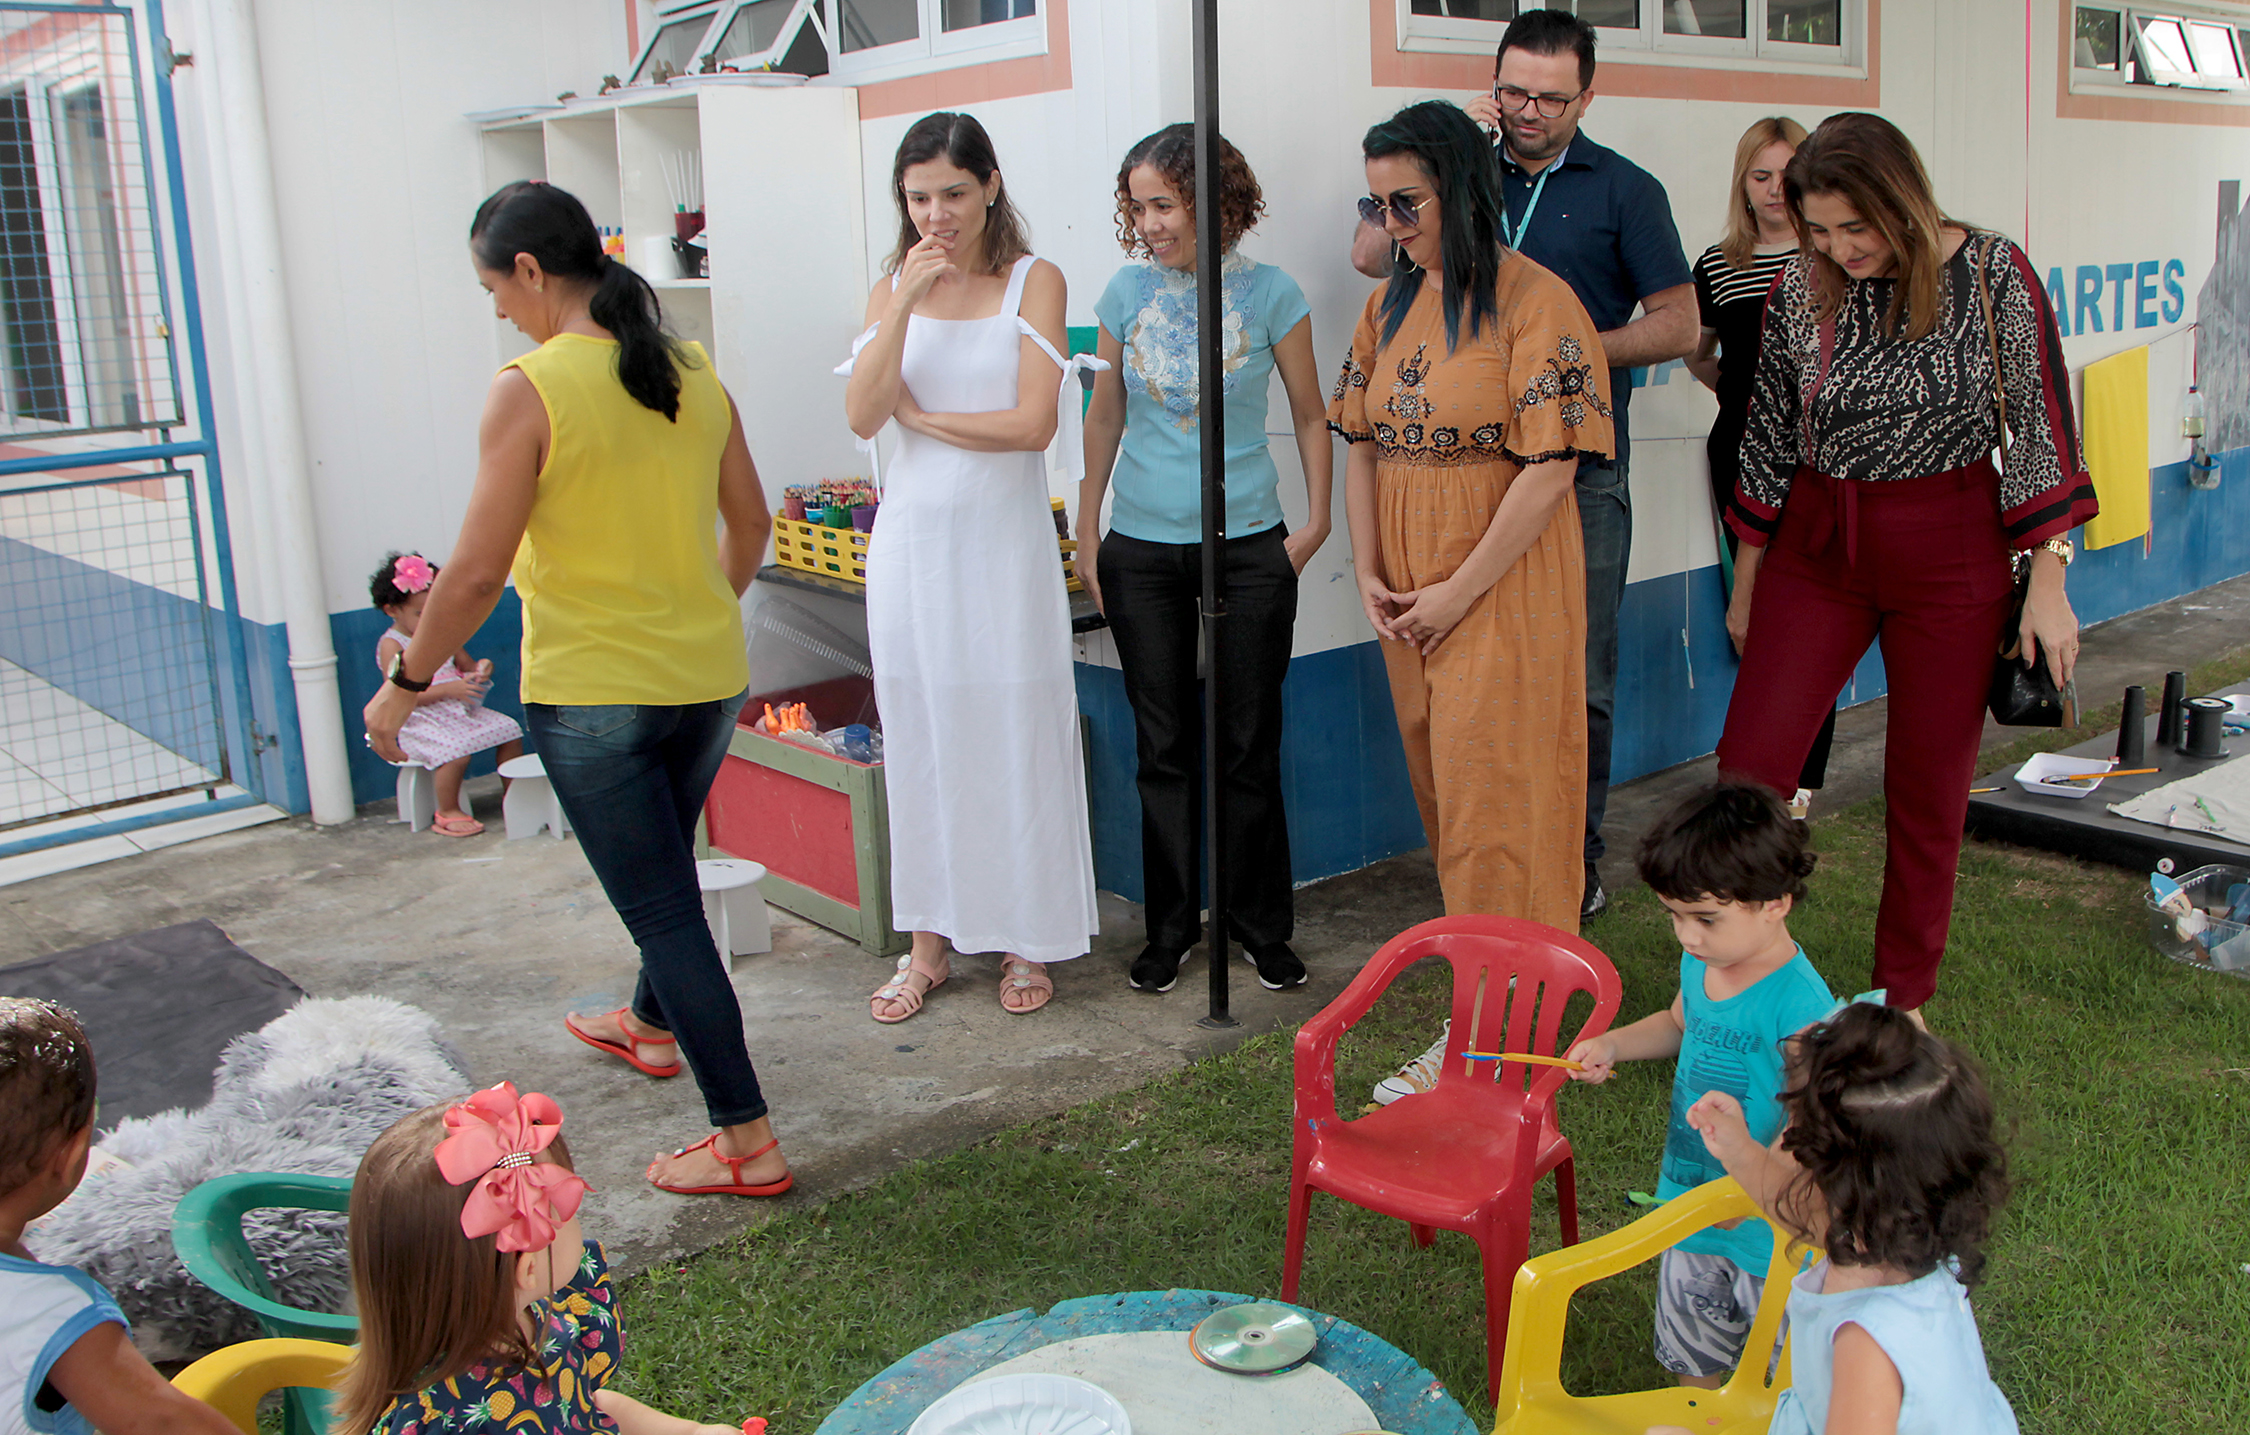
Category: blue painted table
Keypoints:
(1406, 1398)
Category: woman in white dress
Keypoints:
(967, 618)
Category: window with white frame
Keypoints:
(878, 39)
(2169, 48)
(863, 40)
(1793, 34)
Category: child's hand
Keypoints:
(1726, 1134)
(634, 1418)
(1598, 1055)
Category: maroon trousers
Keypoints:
(1920, 565)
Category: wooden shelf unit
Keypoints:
(785, 209)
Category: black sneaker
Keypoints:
(1595, 901)
(1278, 967)
(1156, 969)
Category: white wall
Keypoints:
(377, 174)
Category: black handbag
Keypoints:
(2019, 696)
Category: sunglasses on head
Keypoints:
(1372, 210)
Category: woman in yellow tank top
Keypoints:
(608, 459)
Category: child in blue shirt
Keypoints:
(1729, 864)
(67, 1365)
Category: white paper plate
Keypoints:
(1025, 1405)
(2038, 774)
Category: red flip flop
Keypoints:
(628, 1050)
(734, 1168)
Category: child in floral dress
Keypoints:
(482, 1305)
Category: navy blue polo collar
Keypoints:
(1580, 153)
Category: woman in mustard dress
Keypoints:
(1474, 383)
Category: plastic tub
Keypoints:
(2039, 772)
(2222, 944)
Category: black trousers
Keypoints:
(1151, 593)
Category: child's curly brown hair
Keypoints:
(1893, 1131)
(1171, 153)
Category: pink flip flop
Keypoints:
(734, 1168)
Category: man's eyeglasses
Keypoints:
(1371, 210)
(1513, 100)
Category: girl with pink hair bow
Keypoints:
(450, 723)
(482, 1304)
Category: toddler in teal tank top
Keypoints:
(1728, 864)
(1883, 1324)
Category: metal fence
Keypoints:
(110, 648)
(113, 637)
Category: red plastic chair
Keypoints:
(1465, 1155)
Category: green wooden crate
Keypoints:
(819, 825)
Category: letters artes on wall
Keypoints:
(2138, 296)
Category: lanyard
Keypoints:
(1515, 236)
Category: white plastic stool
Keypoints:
(740, 924)
(530, 805)
(417, 796)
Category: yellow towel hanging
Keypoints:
(2117, 446)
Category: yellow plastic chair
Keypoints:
(1532, 1400)
(235, 1379)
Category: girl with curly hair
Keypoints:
(1475, 382)
(1887, 1162)
(1146, 575)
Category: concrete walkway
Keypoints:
(499, 939)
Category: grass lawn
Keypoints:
(2117, 1300)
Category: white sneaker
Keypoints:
(1418, 1075)
(1800, 806)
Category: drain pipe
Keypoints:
(265, 371)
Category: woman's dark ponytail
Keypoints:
(550, 225)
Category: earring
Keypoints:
(1400, 256)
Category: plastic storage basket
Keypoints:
(842, 552)
(2223, 944)
(817, 548)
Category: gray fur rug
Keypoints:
(306, 1095)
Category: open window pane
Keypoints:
(864, 24)
(2165, 44)
(669, 53)
(968, 14)
(1605, 14)
(1721, 19)
(2096, 45)
(1805, 22)
(2213, 48)
(754, 29)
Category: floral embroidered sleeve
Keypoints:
(1347, 407)
(2045, 489)
(1771, 442)
(1559, 380)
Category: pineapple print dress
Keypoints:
(580, 1343)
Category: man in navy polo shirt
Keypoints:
(1604, 226)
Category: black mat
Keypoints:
(159, 1007)
(2085, 827)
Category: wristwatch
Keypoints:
(398, 672)
(2061, 548)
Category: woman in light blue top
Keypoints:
(1142, 436)
(1888, 1162)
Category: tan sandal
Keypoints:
(1018, 975)
(899, 989)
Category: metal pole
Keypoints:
(1211, 426)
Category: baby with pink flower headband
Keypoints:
(480, 1298)
(450, 723)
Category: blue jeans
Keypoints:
(1605, 517)
(632, 780)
